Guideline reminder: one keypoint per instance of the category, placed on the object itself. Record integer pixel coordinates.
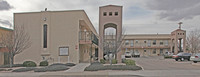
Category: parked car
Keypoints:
(136, 54)
(128, 54)
(195, 58)
(182, 56)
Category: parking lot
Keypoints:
(159, 63)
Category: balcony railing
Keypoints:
(87, 37)
(146, 46)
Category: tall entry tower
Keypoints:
(109, 16)
(178, 39)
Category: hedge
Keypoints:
(129, 62)
(24, 69)
(44, 63)
(29, 64)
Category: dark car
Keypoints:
(182, 56)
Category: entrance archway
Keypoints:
(110, 16)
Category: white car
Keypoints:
(195, 58)
(128, 54)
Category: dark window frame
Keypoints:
(104, 13)
(45, 29)
(110, 13)
(116, 13)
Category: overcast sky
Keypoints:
(139, 16)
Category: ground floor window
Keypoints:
(154, 51)
(63, 51)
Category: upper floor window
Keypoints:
(45, 36)
(145, 41)
(136, 41)
(116, 13)
(154, 42)
(131, 42)
(104, 13)
(161, 42)
(166, 42)
(126, 42)
(110, 13)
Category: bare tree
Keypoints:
(193, 41)
(15, 42)
(113, 45)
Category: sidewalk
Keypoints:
(78, 68)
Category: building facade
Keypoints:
(147, 44)
(58, 36)
(4, 59)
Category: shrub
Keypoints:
(44, 63)
(97, 67)
(121, 67)
(29, 64)
(14, 65)
(102, 61)
(94, 67)
(52, 68)
(67, 64)
(114, 61)
(24, 69)
(5, 69)
(70, 64)
(2, 69)
(57, 64)
(167, 57)
(129, 62)
(123, 60)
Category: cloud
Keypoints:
(175, 10)
(5, 22)
(4, 5)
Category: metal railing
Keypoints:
(88, 36)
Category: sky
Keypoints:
(139, 16)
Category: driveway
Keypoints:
(158, 63)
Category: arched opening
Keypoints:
(109, 40)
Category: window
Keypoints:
(161, 51)
(110, 13)
(45, 36)
(145, 41)
(131, 43)
(149, 43)
(116, 13)
(161, 42)
(154, 42)
(166, 42)
(126, 42)
(63, 51)
(145, 50)
(104, 13)
(136, 41)
(154, 51)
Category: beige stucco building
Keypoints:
(147, 44)
(3, 50)
(69, 36)
(58, 36)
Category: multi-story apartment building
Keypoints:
(147, 44)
